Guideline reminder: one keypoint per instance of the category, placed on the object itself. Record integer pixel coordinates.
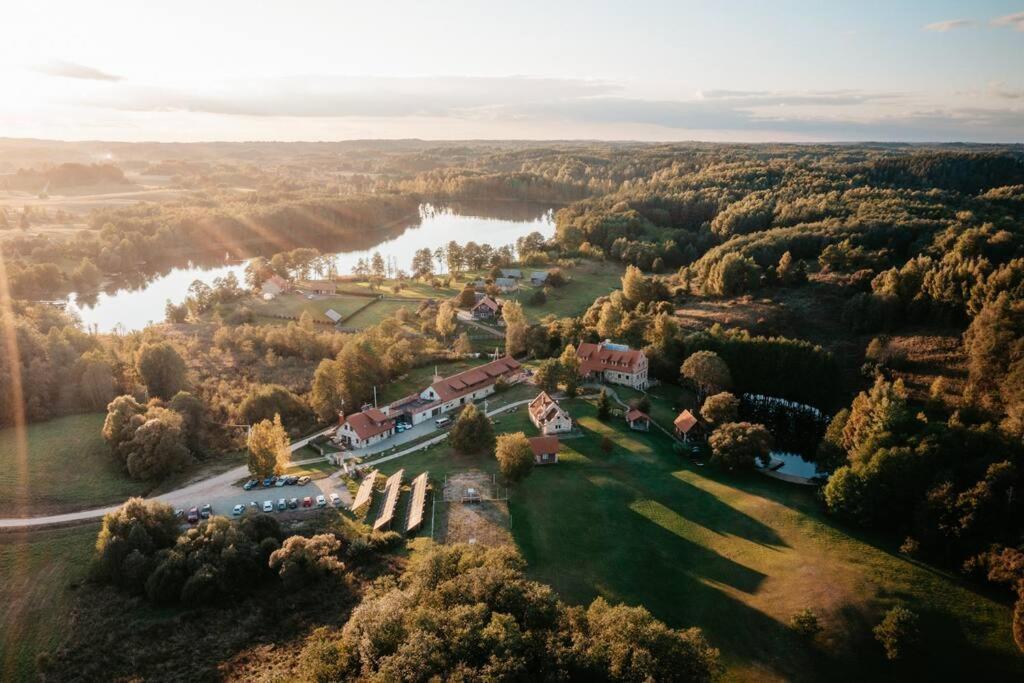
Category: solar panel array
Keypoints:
(418, 504)
(392, 488)
(365, 491)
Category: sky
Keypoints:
(632, 70)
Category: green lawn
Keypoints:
(37, 593)
(410, 290)
(737, 556)
(587, 281)
(295, 305)
(376, 312)
(65, 465)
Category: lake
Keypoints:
(126, 308)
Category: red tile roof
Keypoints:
(598, 358)
(542, 445)
(543, 408)
(685, 421)
(471, 380)
(369, 423)
(633, 415)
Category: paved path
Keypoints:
(220, 492)
(216, 490)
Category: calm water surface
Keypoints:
(133, 308)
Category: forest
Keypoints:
(823, 275)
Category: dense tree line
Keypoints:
(467, 612)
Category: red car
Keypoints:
(307, 502)
(193, 515)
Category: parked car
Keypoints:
(303, 480)
(250, 485)
(238, 509)
(281, 482)
(442, 422)
(321, 501)
(268, 482)
(293, 480)
(180, 514)
(193, 515)
(335, 499)
(206, 511)
(293, 503)
(253, 505)
(282, 505)
(268, 506)
(307, 502)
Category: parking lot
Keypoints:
(331, 490)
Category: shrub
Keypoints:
(898, 632)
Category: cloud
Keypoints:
(526, 103)
(1014, 21)
(948, 25)
(324, 96)
(64, 69)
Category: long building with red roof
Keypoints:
(614, 363)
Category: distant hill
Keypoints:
(63, 177)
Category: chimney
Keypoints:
(341, 417)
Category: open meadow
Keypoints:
(68, 467)
(736, 554)
(40, 571)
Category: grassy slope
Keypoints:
(69, 467)
(737, 556)
(36, 593)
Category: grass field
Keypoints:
(68, 467)
(735, 555)
(39, 570)
(587, 281)
(295, 305)
(738, 556)
(375, 313)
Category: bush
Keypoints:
(300, 560)
(898, 632)
(805, 623)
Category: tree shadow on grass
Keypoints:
(654, 478)
(600, 546)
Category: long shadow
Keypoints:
(630, 559)
(687, 500)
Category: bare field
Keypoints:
(485, 522)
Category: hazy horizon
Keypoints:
(648, 72)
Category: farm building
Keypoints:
(274, 285)
(614, 363)
(538, 277)
(548, 416)
(545, 449)
(512, 273)
(486, 309)
(506, 284)
(470, 385)
(685, 424)
(364, 428)
(638, 420)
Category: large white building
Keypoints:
(613, 363)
